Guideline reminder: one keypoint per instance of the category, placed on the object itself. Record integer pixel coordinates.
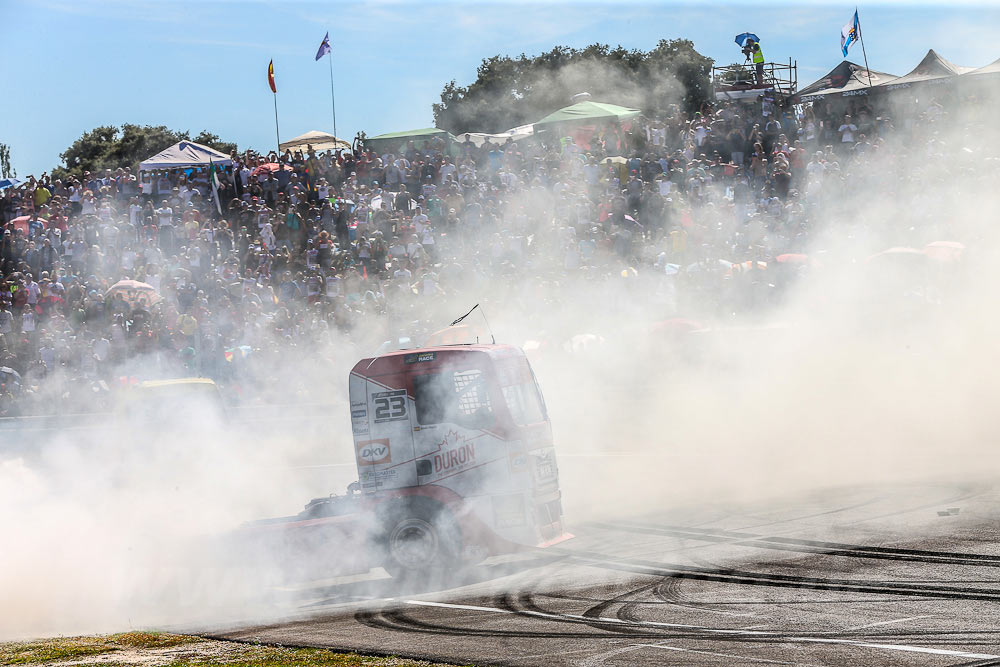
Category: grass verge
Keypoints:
(160, 649)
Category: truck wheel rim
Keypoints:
(413, 543)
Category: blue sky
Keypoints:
(71, 65)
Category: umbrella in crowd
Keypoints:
(456, 335)
(9, 183)
(237, 353)
(22, 223)
(10, 378)
(134, 292)
(792, 258)
(270, 167)
(944, 251)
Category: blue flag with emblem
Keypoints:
(849, 34)
(324, 47)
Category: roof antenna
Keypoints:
(483, 313)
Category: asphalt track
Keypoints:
(901, 575)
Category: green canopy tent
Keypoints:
(586, 112)
(395, 142)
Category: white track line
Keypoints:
(722, 655)
(720, 631)
(898, 620)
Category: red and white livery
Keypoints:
(455, 463)
(455, 454)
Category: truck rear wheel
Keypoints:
(421, 543)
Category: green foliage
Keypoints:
(5, 167)
(737, 74)
(108, 147)
(206, 138)
(509, 92)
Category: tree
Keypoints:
(108, 147)
(6, 170)
(206, 138)
(509, 92)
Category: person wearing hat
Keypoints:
(751, 49)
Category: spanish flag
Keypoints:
(270, 76)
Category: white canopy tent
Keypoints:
(479, 138)
(185, 154)
(320, 141)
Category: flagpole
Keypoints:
(276, 135)
(333, 102)
(861, 39)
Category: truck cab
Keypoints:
(455, 455)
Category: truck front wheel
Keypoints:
(421, 544)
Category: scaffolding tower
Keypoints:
(740, 81)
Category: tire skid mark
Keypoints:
(663, 631)
(812, 546)
(727, 575)
(669, 591)
(963, 492)
(838, 510)
(399, 621)
(601, 608)
(970, 637)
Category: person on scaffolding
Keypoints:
(750, 44)
(751, 49)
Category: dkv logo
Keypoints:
(373, 452)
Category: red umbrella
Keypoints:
(944, 251)
(792, 258)
(268, 167)
(22, 223)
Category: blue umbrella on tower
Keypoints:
(744, 36)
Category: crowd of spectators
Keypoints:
(297, 249)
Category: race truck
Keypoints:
(455, 463)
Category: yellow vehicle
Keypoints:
(177, 403)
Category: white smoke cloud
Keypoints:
(862, 371)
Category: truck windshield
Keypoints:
(457, 397)
(520, 392)
(524, 403)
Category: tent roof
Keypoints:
(185, 154)
(932, 67)
(425, 132)
(992, 68)
(320, 141)
(843, 79)
(588, 111)
(515, 133)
